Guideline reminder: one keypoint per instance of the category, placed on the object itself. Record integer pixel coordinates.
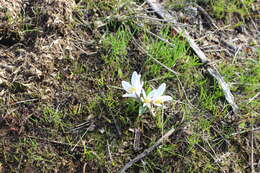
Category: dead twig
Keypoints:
(88, 125)
(20, 102)
(225, 87)
(250, 16)
(20, 162)
(147, 151)
(76, 145)
(159, 10)
(251, 99)
(109, 152)
(252, 148)
(84, 168)
(211, 155)
(252, 151)
(204, 12)
(137, 140)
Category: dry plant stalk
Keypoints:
(162, 13)
(147, 151)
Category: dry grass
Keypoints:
(61, 63)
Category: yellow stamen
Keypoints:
(146, 100)
(158, 101)
(132, 90)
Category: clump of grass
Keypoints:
(222, 8)
(51, 116)
(87, 88)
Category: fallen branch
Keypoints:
(228, 95)
(147, 151)
(159, 10)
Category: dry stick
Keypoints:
(147, 151)
(159, 10)
(252, 148)
(76, 145)
(206, 151)
(251, 18)
(228, 95)
(137, 140)
(204, 12)
(19, 102)
(20, 162)
(109, 152)
(251, 99)
(24, 101)
(252, 151)
(84, 168)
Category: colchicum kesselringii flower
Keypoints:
(135, 88)
(148, 99)
(157, 96)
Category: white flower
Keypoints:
(148, 99)
(158, 98)
(135, 88)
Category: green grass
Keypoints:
(86, 89)
(223, 8)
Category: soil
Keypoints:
(42, 42)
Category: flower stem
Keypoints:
(162, 120)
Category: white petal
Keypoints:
(130, 95)
(161, 89)
(126, 85)
(138, 92)
(152, 93)
(165, 98)
(135, 78)
(139, 85)
(144, 94)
